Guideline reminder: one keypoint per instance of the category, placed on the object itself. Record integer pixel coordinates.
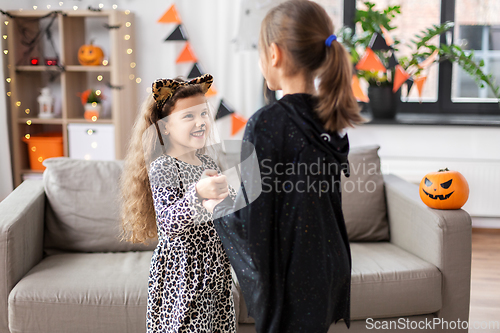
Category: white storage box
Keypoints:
(91, 141)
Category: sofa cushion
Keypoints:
(83, 211)
(363, 197)
(384, 279)
(84, 292)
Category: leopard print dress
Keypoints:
(190, 274)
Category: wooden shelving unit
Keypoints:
(24, 81)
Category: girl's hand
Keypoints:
(212, 186)
(210, 204)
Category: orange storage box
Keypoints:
(42, 146)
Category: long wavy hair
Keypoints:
(300, 28)
(138, 218)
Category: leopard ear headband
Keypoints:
(164, 89)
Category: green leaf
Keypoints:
(420, 45)
(455, 53)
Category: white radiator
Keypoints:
(483, 178)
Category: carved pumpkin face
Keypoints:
(90, 55)
(444, 189)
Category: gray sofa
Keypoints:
(64, 270)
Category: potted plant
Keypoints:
(375, 40)
(92, 103)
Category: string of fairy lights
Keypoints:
(105, 62)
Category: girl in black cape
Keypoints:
(289, 246)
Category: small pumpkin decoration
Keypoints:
(90, 55)
(444, 189)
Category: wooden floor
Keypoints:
(485, 280)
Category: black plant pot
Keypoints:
(383, 102)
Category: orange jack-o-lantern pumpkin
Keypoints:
(90, 55)
(444, 189)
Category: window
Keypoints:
(477, 29)
(449, 89)
(415, 16)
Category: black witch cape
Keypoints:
(289, 246)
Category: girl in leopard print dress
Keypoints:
(190, 280)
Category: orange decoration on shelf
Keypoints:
(444, 189)
(84, 96)
(90, 55)
(89, 115)
(400, 77)
(170, 16)
(187, 55)
(370, 62)
(42, 146)
(356, 90)
(237, 123)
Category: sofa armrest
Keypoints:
(21, 238)
(440, 237)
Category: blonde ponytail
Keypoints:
(337, 105)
